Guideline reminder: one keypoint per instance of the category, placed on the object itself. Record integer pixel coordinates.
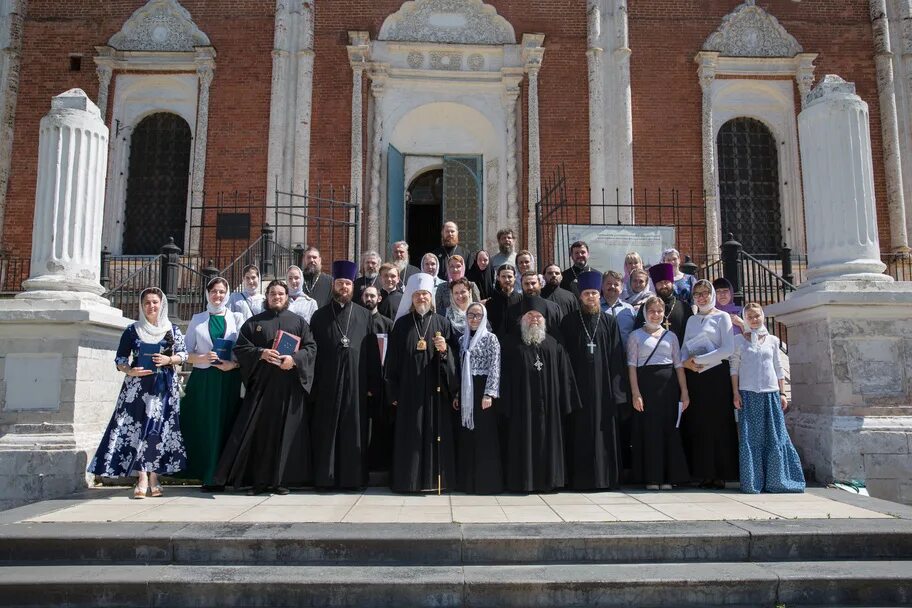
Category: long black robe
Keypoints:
(536, 402)
(382, 415)
(565, 300)
(677, 318)
(570, 280)
(320, 290)
(389, 303)
(593, 458)
(484, 279)
(423, 412)
(498, 307)
(270, 445)
(339, 426)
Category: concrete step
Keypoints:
(855, 583)
(455, 544)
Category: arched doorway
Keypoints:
(749, 191)
(424, 213)
(159, 171)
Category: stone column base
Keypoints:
(58, 388)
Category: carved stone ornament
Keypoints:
(446, 60)
(447, 22)
(159, 25)
(750, 31)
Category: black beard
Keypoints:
(340, 299)
(590, 309)
(278, 309)
(666, 296)
(505, 249)
(311, 272)
(371, 306)
(580, 264)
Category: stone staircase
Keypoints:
(642, 564)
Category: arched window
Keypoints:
(749, 185)
(156, 204)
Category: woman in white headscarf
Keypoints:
(144, 438)
(479, 469)
(248, 301)
(708, 427)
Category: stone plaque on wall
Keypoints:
(32, 381)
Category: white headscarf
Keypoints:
(221, 308)
(755, 334)
(635, 299)
(420, 281)
(147, 332)
(467, 342)
(297, 293)
(705, 310)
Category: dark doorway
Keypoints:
(424, 214)
(156, 204)
(749, 185)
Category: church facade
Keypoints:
(428, 110)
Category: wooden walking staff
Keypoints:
(437, 419)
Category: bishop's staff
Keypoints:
(439, 357)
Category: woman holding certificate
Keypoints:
(144, 436)
(708, 427)
(213, 393)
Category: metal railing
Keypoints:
(13, 271)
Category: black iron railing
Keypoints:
(13, 271)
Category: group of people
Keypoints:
(475, 372)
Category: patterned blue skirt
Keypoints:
(769, 462)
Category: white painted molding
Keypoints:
(159, 25)
(447, 21)
(750, 31)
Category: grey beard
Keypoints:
(422, 309)
(401, 265)
(506, 249)
(532, 334)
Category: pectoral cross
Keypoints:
(538, 363)
(666, 324)
(591, 347)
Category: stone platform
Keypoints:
(377, 549)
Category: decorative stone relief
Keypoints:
(476, 62)
(509, 99)
(447, 21)
(492, 195)
(707, 74)
(533, 52)
(750, 31)
(159, 25)
(446, 60)
(415, 60)
(12, 17)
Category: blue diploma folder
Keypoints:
(222, 349)
(144, 359)
(286, 343)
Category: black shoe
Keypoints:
(212, 489)
(256, 490)
(282, 491)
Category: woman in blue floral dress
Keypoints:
(144, 437)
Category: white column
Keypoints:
(10, 56)
(905, 94)
(372, 230)
(69, 201)
(838, 178)
(532, 53)
(883, 58)
(707, 75)
(509, 100)
(358, 56)
(623, 111)
(598, 158)
(204, 71)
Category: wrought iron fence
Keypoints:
(13, 271)
(557, 211)
(125, 295)
(899, 265)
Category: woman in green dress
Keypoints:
(213, 393)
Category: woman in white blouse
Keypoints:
(248, 301)
(709, 431)
(659, 395)
(769, 462)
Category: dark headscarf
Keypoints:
(483, 279)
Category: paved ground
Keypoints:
(376, 505)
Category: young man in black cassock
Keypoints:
(422, 383)
(553, 292)
(379, 409)
(676, 311)
(269, 446)
(537, 392)
(502, 298)
(579, 253)
(593, 343)
(345, 343)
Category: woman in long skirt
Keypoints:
(478, 467)
(708, 429)
(769, 462)
(144, 437)
(657, 385)
(213, 393)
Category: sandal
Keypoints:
(139, 492)
(156, 491)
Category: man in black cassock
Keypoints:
(370, 274)
(269, 446)
(532, 300)
(676, 311)
(379, 409)
(339, 427)
(317, 284)
(449, 246)
(579, 253)
(593, 343)
(502, 298)
(553, 292)
(537, 391)
(422, 383)
(390, 291)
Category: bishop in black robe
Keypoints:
(422, 385)
(593, 343)
(269, 446)
(537, 392)
(339, 427)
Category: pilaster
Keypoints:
(532, 54)
(707, 61)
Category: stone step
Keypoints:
(455, 544)
(887, 583)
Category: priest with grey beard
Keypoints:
(537, 390)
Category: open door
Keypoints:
(395, 195)
(463, 196)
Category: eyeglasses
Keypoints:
(474, 315)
